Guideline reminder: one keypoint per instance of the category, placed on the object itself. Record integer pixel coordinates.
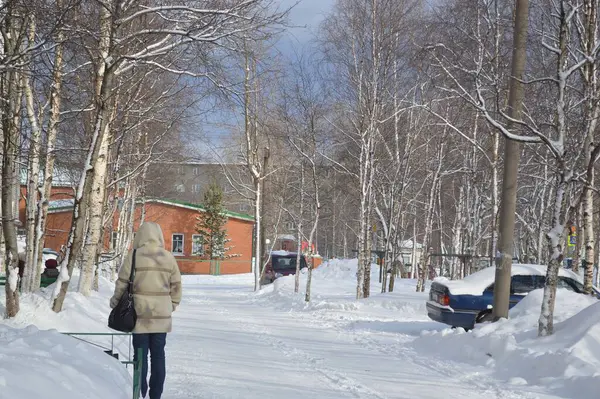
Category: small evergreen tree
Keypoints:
(211, 223)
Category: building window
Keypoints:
(244, 207)
(196, 188)
(113, 241)
(180, 188)
(197, 171)
(290, 225)
(177, 244)
(197, 245)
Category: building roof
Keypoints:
(198, 207)
(286, 237)
(409, 244)
(67, 204)
(61, 177)
(60, 205)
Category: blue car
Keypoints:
(463, 303)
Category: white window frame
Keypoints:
(196, 188)
(194, 237)
(197, 171)
(182, 244)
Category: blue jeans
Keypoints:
(155, 343)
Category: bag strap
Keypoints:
(132, 274)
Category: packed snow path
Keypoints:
(227, 343)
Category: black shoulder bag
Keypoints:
(123, 317)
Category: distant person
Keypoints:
(157, 293)
(51, 269)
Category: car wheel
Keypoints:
(484, 316)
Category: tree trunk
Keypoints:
(257, 234)
(33, 174)
(593, 113)
(299, 230)
(11, 90)
(97, 200)
(77, 234)
(556, 239)
(363, 287)
(495, 196)
(9, 229)
(457, 233)
(54, 120)
(429, 223)
(317, 211)
(544, 199)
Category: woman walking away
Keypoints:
(157, 292)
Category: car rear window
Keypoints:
(286, 263)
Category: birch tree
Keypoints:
(359, 42)
(14, 42)
(154, 35)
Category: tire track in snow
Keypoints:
(335, 379)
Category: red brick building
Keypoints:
(178, 221)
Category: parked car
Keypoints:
(463, 303)
(281, 264)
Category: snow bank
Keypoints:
(80, 313)
(45, 364)
(41, 362)
(334, 289)
(567, 362)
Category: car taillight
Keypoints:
(444, 300)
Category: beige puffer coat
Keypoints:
(157, 282)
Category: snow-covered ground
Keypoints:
(229, 342)
(38, 364)
(37, 361)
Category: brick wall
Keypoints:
(58, 226)
(173, 220)
(178, 220)
(56, 193)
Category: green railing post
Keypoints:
(137, 374)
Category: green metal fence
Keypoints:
(44, 281)
(110, 350)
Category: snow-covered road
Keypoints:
(229, 343)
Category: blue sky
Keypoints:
(305, 17)
(307, 13)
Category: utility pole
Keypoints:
(512, 154)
